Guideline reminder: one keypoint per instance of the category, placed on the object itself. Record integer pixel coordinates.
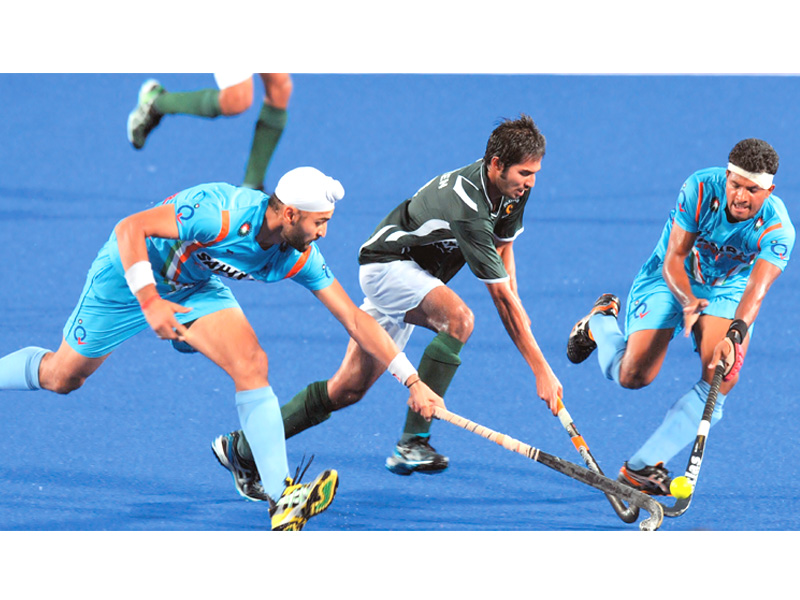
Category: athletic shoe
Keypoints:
(581, 343)
(416, 454)
(299, 502)
(650, 480)
(245, 474)
(144, 118)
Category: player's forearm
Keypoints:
(516, 322)
(372, 338)
(677, 280)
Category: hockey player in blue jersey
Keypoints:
(724, 244)
(161, 269)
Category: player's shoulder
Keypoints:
(468, 186)
(709, 175)
(775, 211)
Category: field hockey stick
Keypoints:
(696, 458)
(628, 514)
(567, 468)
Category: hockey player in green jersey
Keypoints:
(468, 216)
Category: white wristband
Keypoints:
(139, 275)
(401, 368)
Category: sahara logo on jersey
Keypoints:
(728, 252)
(220, 268)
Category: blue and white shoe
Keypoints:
(416, 454)
(244, 472)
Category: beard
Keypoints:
(297, 240)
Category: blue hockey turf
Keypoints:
(130, 451)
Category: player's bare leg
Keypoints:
(644, 357)
(708, 331)
(65, 370)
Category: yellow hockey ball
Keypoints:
(680, 487)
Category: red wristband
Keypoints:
(149, 301)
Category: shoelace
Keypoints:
(297, 474)
(295, 496)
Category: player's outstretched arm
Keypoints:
(371, 337)
(517, 324)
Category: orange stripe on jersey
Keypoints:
(223, 233)
(699, 202)
(299, 264)
(766, 231)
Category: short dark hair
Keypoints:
(514, 142)
(755, 155)
(275, 203)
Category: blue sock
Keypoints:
(679, 428)
(20, 370)
(611, 344)
(260, 417)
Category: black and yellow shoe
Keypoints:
(581, 343)
(299, 502)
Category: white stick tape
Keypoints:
(139, 275)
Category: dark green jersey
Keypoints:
(447, 223)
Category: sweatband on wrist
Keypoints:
(139, 275)
(737, 331)
(401, 368)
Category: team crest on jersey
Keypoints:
(714, 204)
(244, 229)
(759, 223)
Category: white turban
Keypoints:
(307, 188)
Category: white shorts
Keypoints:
(228, 79)
(391, 290)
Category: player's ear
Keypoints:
(289, 213)
(497, 163)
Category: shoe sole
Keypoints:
(575, 355)
(400, 467)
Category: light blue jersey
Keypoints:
(721, 260)
(725, 252)
(217, 228)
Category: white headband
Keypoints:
(762, 180)
(309, 189)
